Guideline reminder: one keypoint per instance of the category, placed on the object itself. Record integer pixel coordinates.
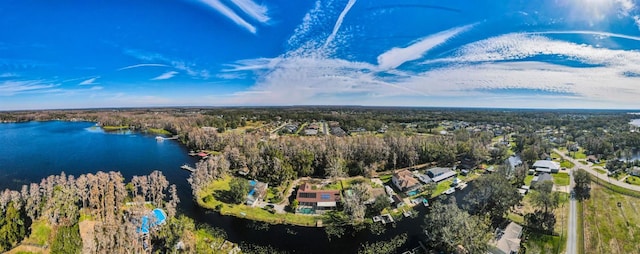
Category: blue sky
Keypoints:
(460, 53)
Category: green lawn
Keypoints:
(600, 170)
(158, 131)
(115, 128)
(633, 180)
(442, 186)
(566, 164)
(607, 227)
(207, 199)
(579, 154)
(528, 179)
(561, 179)
(40, 233)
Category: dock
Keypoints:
(161, 138)
(188, 168)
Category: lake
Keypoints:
(31, 151)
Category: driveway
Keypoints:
(572, 237)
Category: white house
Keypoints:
(546, 166)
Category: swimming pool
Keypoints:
(412, 193)
(306, 210)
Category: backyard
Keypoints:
(209, 198)
(542, 243)
(607, 227)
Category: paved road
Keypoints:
(591, 171)
(572, 237)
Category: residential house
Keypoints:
(440, 174)
(319, 200)
(511, 163)
(404, 181)
(635, 171)
(546, 166)
(397, 200)
(257, 192)
(541, 178)
(507, 240)
(593, 159)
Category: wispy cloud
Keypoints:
(12, 87)
(142, 65)
(256, 11)
(91, 81)
(397, 56)
(166, 75)
(8, 75)
(188, 68)
(230, 14)
(336, 27)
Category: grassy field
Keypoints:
(609, 228)
(561, 179)
(207, 199)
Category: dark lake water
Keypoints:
(31, 151)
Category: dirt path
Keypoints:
(86, 233)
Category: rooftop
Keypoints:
(308, 195)
(546, 164)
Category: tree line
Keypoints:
(103, 197)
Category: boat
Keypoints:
(158, 138)
(425, 202)
(450, 191)
(461, 185)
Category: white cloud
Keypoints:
(189, 68)
(256, 11)
(90, 81)
(636, 20)
(166, 75)
(230, 14)
(336, 27)
(12, 87)
(397, 56)
(142, 65)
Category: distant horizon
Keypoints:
(630, 111)
(485, 53)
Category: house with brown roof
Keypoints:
(404, 181)
(318, 200)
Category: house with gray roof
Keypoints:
(541, 178)
(439, 174)
(546, 166)
(507, 240)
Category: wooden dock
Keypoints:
(188, 168)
